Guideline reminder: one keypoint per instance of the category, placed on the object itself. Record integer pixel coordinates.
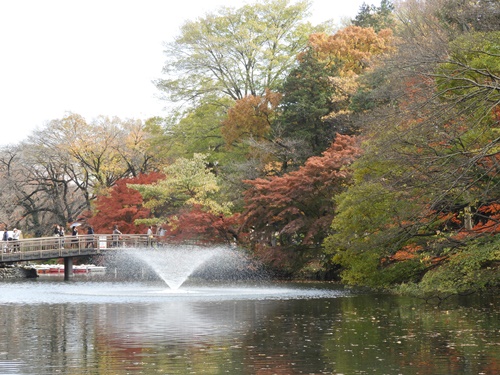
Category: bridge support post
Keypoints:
(68, 268)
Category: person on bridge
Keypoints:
(116, 236)
(16, 233)
(74, 233)
(57, 234)
(61, 234)
(5, 239)
(90, 237)
(150, 236)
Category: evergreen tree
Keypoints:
(376, 17)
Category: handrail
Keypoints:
(56, 247)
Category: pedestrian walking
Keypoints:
(150, 236)
(74, 234)
(16, 233)
(116, 236)
(90, 237)
(5, 239)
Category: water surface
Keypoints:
(85, 326)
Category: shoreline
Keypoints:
(17, 272)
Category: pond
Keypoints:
(105, 326)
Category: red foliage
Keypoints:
(491, 219)
(299, 205)
(195, 224)
(406, 253)
(122, 206)
(496, 114)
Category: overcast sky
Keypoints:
(96, 57)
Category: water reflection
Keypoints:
(123, 328)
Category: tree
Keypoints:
(317, 93)
(36, 190)
(56, 174)
(307, 99)
(195, 222)
(22, 201)
(122, 206)
(235, 53)
(250, 118)
(99, 153)
(217, 63)
(378, 18)
(429, 164)
(194, 130)
(466, 16)
(188, 184)
(296, 209)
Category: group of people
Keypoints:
(10, 240)
(60, 233)
(89, 242)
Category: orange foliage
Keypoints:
(490, 164)
(250, 117)
(351, 48)
(407, 252)
(491, 220)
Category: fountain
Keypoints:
(177, 263)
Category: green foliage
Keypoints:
(188, 182)
(363, 231)
(237, 52)
(359, 268)
(379, 18)
(198, 131)
(472, 68)
(407, 271)
(308, 95)
(475, 267)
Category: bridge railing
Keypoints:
(81, 245)
(59, 246)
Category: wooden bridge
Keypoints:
(69, 247)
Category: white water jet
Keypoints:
(175, 264)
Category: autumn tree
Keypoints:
(98, 153)
(122, 206)
(248, 133)
(189, 184)
(218, 63)
(58, 171)
(195, 222)
(429, 164)
(250, 118)
(317, 93)
(293, 212)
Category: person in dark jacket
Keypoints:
(90, 237)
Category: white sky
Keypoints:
(97, 57)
